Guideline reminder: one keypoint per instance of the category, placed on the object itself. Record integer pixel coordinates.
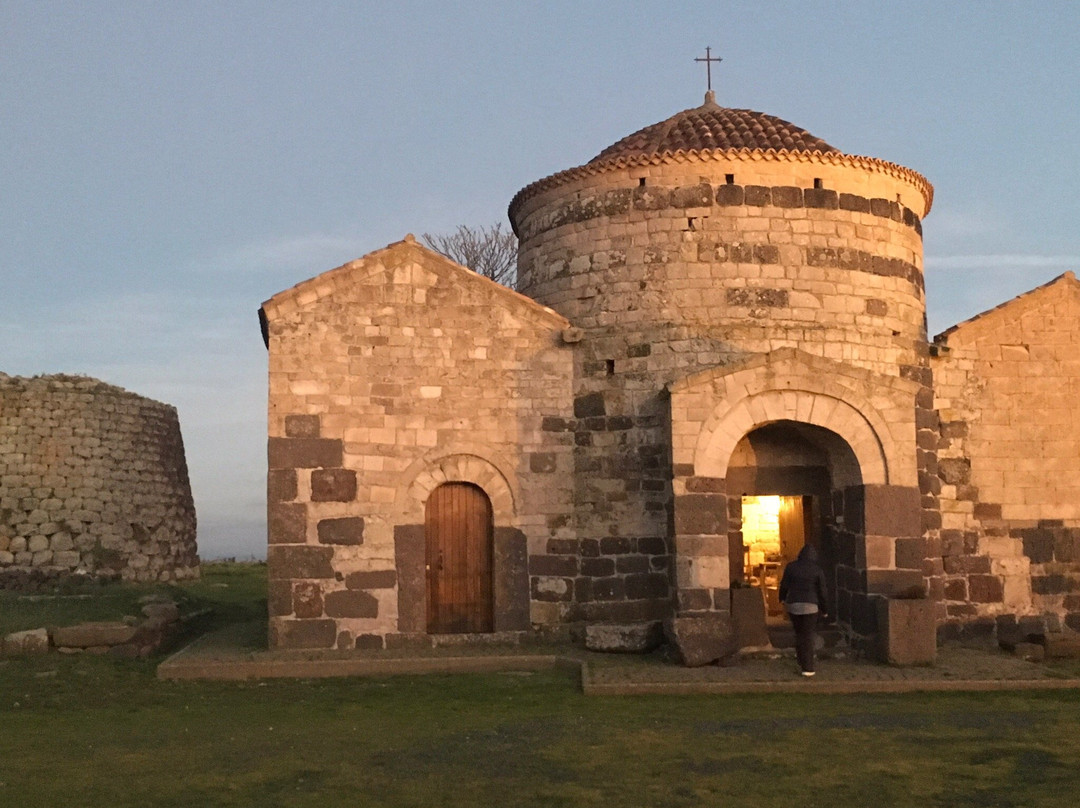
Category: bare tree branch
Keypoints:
(487, 251)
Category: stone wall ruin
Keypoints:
(93, 480)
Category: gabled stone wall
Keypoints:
(93, 480)
(1007, 385)
(389, 376)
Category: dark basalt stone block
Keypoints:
(301, 426)
(304, 634)
(376, 579)
(286, 523)
(343, 530)
(281, 485)
(304, 453)
(293, 561)
(727, 195)
(333, 485)
(351, 603)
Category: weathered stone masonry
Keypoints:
(717, 306)
(1007, 484)
(676, 263)
(92, 479)
(388, 377)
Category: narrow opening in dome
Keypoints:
(729, 179)
(818, 183)
(641, 182)
(691, 223)
(610, 363)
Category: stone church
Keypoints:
(716, 353)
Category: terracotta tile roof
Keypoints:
(711, 126)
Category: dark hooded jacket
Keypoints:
(804, 580)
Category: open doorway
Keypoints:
(785, 475)
(774, 530)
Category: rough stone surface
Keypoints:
(1032, 652)
(26, 643)
(907, 631)
(1008, 486)
(92, 635)
(1063, 646)
(93, 481)
(748, 617)
(702, 640)
(635, 638)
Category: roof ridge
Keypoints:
(942, 338)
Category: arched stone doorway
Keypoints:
(785, 488)
(776, 423)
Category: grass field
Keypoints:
(92, 731)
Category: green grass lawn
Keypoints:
(231, 593)
(93, 731)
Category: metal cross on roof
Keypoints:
(708, 60)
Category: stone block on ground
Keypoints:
(26, 643)
(93, 635)
(701, 640)
(907, 631)
(1062, 646)
(1012, 632)
(632, 638)
(161, 613)
(1032, 652)
(748, 618)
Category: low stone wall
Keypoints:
(93, 480)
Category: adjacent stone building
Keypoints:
(1007, 486)
(717, 315)
(93, 480)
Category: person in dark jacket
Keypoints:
(802, 591)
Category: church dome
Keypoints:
(711, 126)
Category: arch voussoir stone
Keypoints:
(457, 468)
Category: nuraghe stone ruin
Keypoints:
(93, 480)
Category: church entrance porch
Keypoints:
(791, 425)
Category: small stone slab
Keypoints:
(907, 632)
(701, 640)
(93, 635)
(748, 617)
(161, 613)
(27, 643)
(632, 638)
(1032, 652)
(1062, 646)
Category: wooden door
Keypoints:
(792, 529)
(459, 535)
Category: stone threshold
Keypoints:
(181, 667)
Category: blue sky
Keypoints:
(166, 167)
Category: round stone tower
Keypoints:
(702, 244)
